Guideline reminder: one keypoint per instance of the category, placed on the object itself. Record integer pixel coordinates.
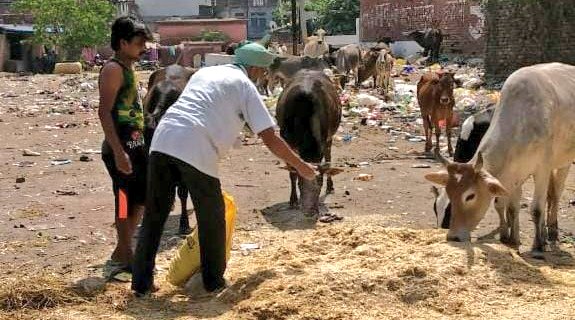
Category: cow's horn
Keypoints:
(479, 162)
(443, 159)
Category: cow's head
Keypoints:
(310, 190)
(470, 189)
(442, 88)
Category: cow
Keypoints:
(278, 49)
(531, 134)
(316, 47)
(283, 68)
(383, 68)
(367, 67)
(308, 115)
(435, 97)
(348, 59)
(472, 131)
(430, 39)
(165, 87)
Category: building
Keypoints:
(462, 22)
(258, 13)
(154, 10)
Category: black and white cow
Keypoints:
(472, 131)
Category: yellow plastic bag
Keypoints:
(187, 260)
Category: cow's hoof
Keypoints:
(509, 241)
(553, 236)
(184, 230)
(330, 191)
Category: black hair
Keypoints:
(126, 28)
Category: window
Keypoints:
(259, 3)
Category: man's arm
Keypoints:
(281, 149)
(110, 81)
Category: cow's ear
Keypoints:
(439, 177)
(495, 187)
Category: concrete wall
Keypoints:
(216, 59)
(523, 33)
(174, 32)
(462, 21)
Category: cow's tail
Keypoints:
(302, 126)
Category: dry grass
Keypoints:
(353, 270)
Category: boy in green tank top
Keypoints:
(123, 150)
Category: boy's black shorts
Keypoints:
(129, 191)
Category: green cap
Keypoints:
(251, 54)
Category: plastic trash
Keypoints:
(364, 177)
(61, 162)
(187, 260)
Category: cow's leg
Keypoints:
(513, 208)
(330, 188)
(184, 219)
(425, 52)
(426, 129)
(556, 186)
(500, 205)
(538, 207)
(448, 134)
(293, 200)
(437, 135)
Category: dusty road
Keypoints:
(57, 217)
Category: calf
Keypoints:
(347, 61)
(165, 87)
(531, 134)
(308, 114)
(472, 131)
(368, 67)
(384, 66)
(435, 97)
(283, 69)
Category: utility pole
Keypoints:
(294, 29)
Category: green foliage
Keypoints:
(208, 35)
(334, 16)
(69, 24)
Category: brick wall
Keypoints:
(174, 32)
(461, 20)
(527, 32)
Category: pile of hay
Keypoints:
(362, 271)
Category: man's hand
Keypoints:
(123, 163)
(307, 171)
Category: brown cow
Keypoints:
(308, 114)
(435, 97)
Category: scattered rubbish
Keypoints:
(421, 166)
(30, 153)
(246, 185)
(85, 158)
(66, 193)
(393, 148)
(91, 151)
(363, 177)
(363, 164)
(61, 162)
(347, 138)
(249, 246)
(415, 140)
(86, 86)
(20, 180)
(347, 193)
(41, 227)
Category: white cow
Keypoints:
(531, 134)
(316, 46)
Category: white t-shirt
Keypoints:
(208, 117)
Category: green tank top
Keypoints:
(127, 111)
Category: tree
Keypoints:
(69, 24)
(336, 16)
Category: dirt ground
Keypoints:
(384, 260)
